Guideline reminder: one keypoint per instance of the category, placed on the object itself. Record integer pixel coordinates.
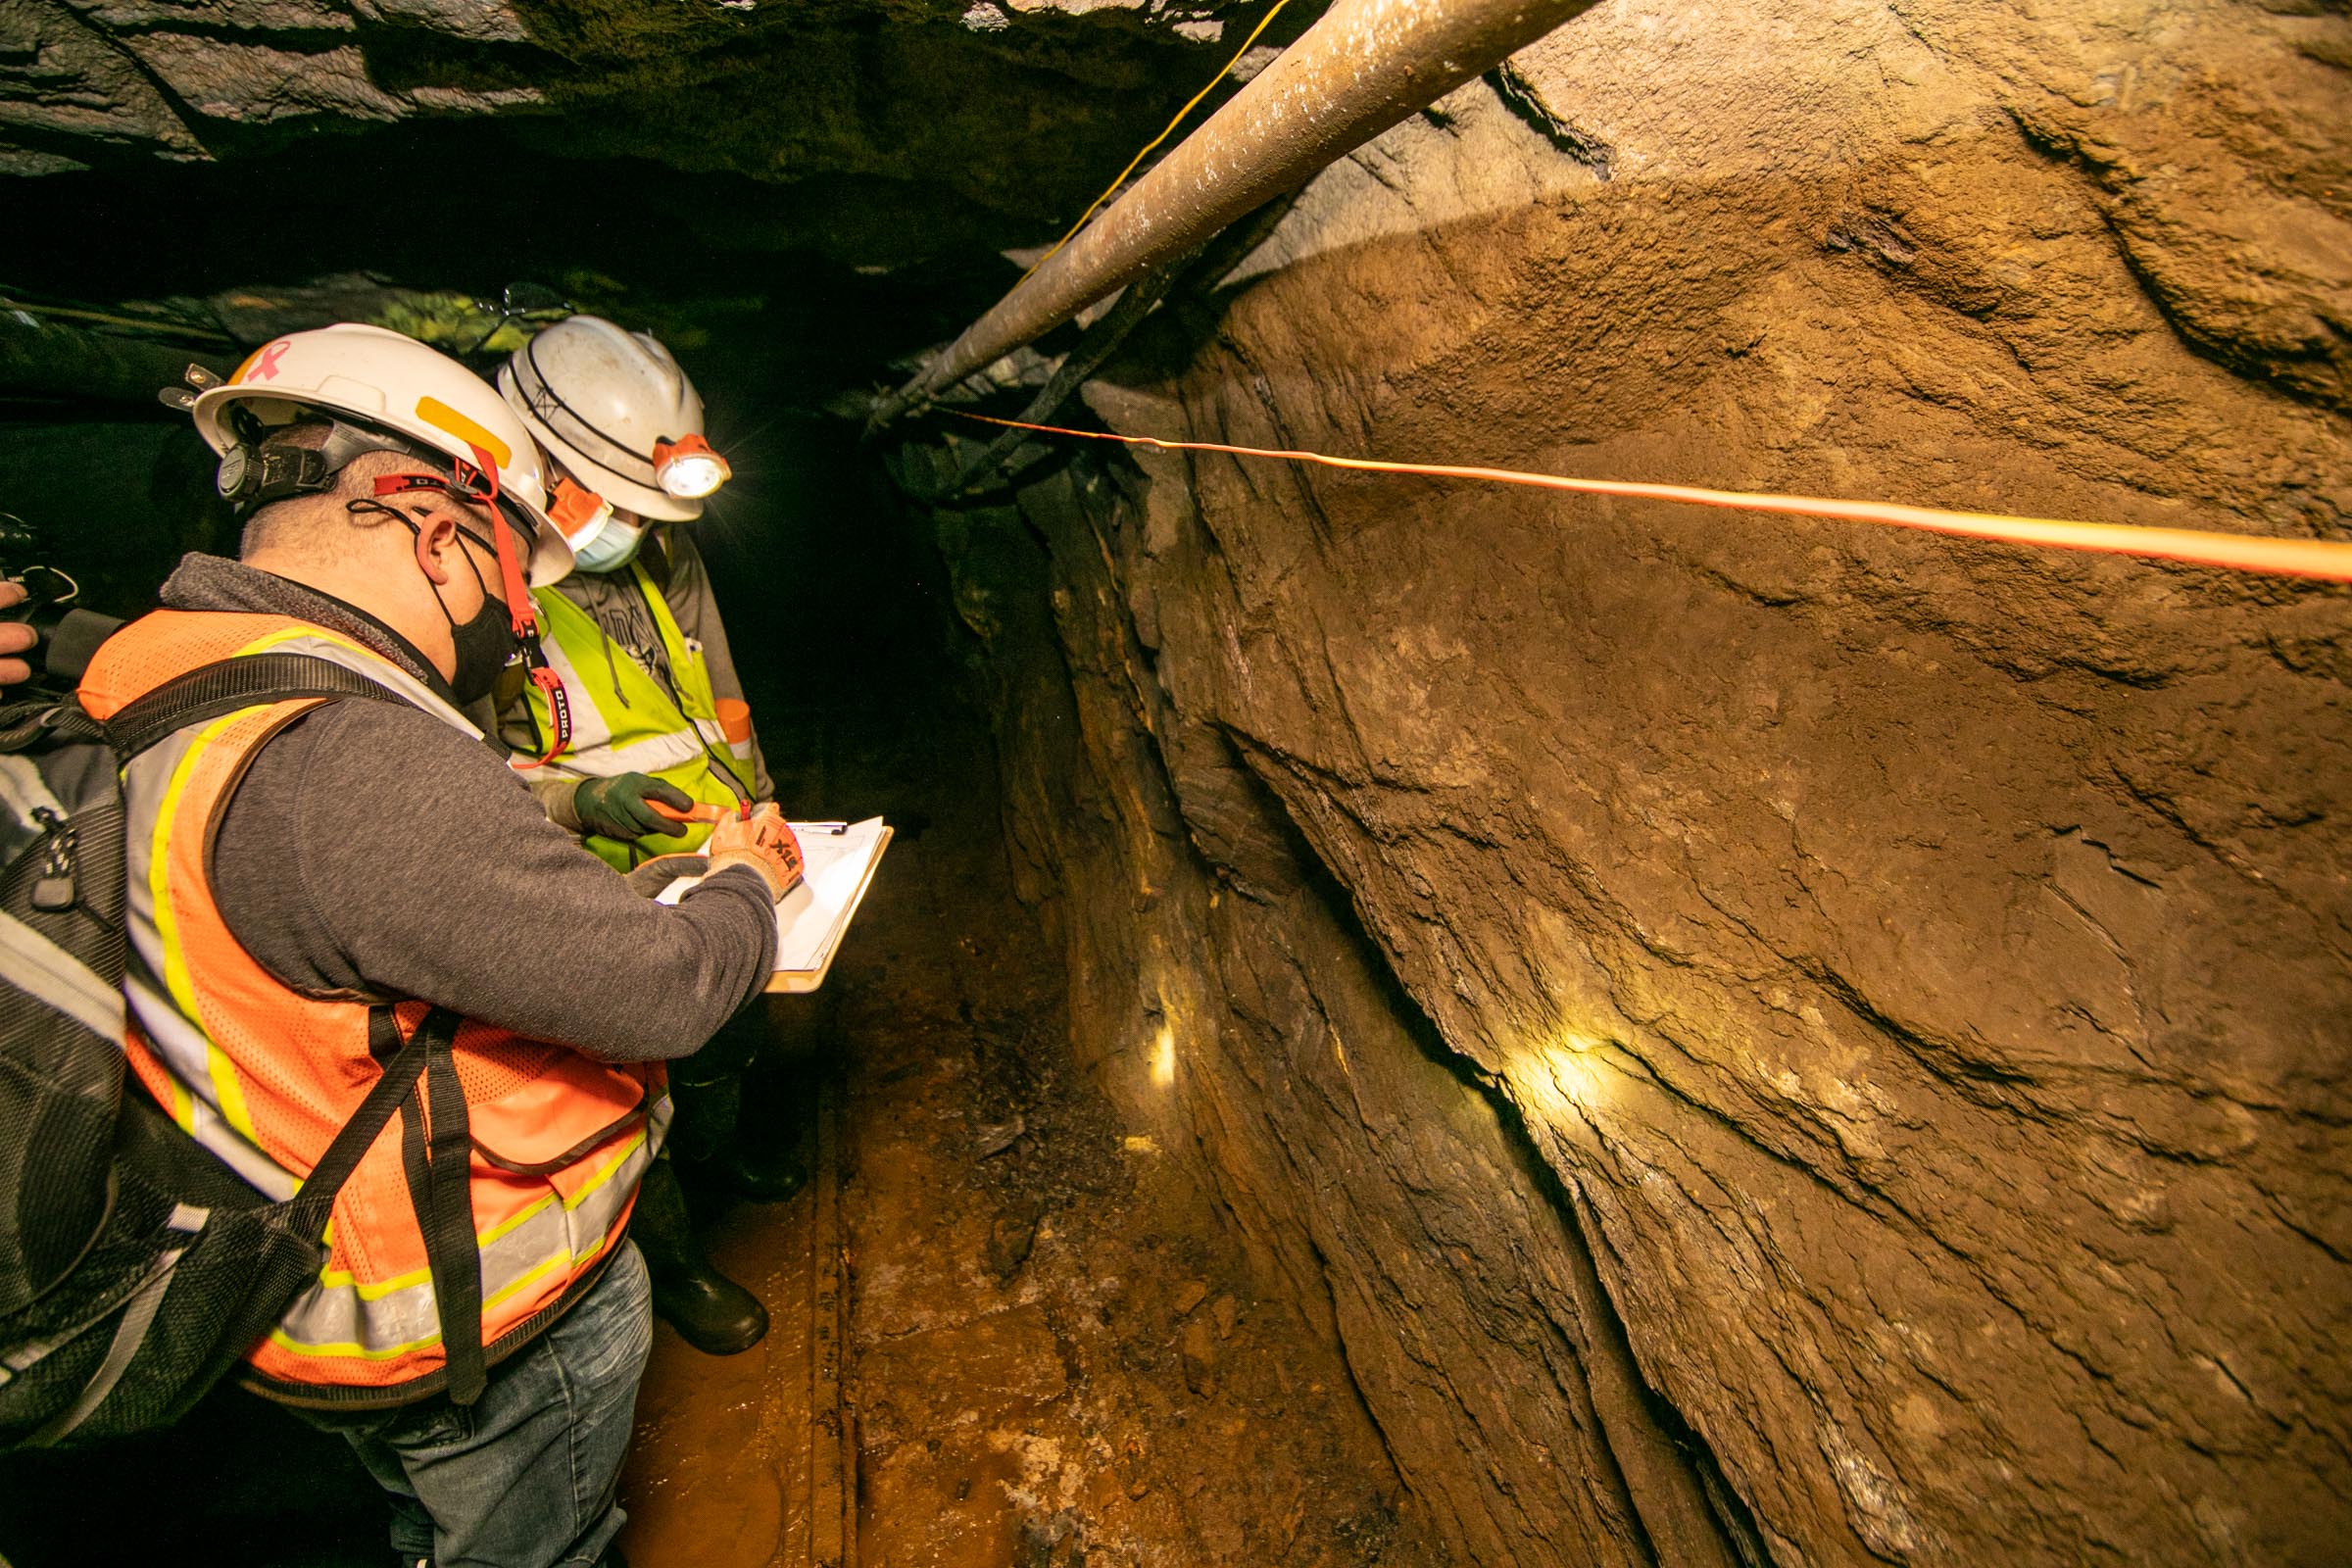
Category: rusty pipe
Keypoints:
(1366, 65)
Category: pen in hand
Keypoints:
(696, 813)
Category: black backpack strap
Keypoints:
(215, 689)
(436, 1146)
(404, 1064)
(45, 722)
(438, 1163)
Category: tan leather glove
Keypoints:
(761, 841)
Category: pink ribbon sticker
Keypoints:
(265, 365)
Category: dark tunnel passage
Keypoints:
(1405, 1020)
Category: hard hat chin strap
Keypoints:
(559, 701)
(524, 611)
(478, 486)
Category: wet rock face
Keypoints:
(1776, 1041)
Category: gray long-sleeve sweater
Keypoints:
(374, 850)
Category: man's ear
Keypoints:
(436, 538)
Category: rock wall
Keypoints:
(1771, 1041)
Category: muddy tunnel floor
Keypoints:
(1052, 1354)
(1003, 1331)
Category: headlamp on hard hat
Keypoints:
(688, 468)
(274, 463)
(580, 512)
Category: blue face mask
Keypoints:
(611, 547)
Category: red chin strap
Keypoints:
(477, 484)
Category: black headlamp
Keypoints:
(275, 462)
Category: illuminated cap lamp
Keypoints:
(688, 468)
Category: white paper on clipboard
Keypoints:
(837, 867)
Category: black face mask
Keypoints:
(482, 646)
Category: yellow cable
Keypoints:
(1262, 24)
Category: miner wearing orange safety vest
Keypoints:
(658, 728)
(312, 884)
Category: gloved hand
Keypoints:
(615, 807)
(763, 842)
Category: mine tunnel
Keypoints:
(1406, 1017)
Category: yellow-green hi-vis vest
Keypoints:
(623, 720)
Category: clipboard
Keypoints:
(798, 982)
(829, 894)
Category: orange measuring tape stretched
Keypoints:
(2324, 559)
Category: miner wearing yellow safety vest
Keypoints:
(635, 630)
(657, 720)
(314, 884)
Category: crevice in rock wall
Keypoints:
(1605, 1337)
(1520, 97)
(1693, 1516)
(1645, 1436)
(2308, 367)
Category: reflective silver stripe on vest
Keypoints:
(651, 754)
(176, 1041)
(179, 1042)
(380, 671)
(340, 1319)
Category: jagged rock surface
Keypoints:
(1764, 1040)
(1866, 1074)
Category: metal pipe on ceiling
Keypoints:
(1364, 67)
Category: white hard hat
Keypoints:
(614, 411)
(396, 384)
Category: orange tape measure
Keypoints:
(2324, 559)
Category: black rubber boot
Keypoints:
(768, 1159)
(711, 1311)
(769, 1175)
(755, 1158)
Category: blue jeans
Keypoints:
(525, 1476)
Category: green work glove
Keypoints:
(618, 808)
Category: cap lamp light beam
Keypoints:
(2321, 560)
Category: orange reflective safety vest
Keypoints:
(264, 1076)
